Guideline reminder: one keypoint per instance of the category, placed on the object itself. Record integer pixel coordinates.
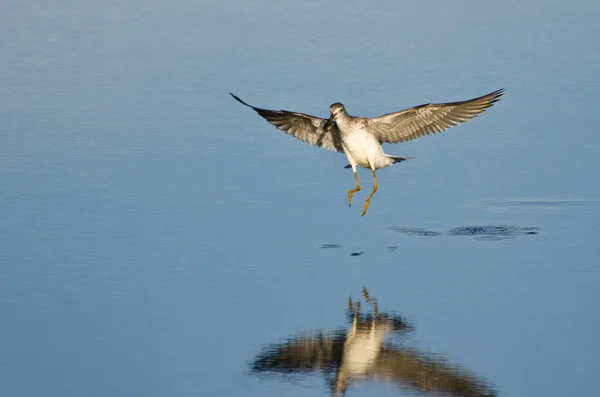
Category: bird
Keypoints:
(360, 353)
(360, 138)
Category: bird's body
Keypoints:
(360, 146)
(362, 347)
(360, 138)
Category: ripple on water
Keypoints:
(414, 231)
(479, 232)
(492, 232)
(540, 204)
(330, 246)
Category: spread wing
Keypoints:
(402, 367)
(417, 121)
(407, 368)
(308, 129)
(304, 353)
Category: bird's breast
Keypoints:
(362, 147)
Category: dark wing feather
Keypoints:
(428, 374)
(417, 121)
(308, 129)
(315, 351)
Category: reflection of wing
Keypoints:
(408, 368)
(305, 353)
(308, 129)
(405, 368)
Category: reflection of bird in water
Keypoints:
(360, 354)
(362, 346)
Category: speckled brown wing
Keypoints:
(408, 368)
(417, 121)
(308, 129)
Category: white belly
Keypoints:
(363, 149)
(360, 355)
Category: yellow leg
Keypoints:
(355, 321)
(351, 192)
(366, 294)
(368, 299)
(375, 187)
(375, 311)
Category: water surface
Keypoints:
(157, 237)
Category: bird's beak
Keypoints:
(329, 123)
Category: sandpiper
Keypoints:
(361, 138)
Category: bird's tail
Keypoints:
(397, 159)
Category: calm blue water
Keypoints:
(157, 238)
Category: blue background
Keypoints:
(155, 234)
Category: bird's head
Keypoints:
(336, 110)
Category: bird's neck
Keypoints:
(342, 117)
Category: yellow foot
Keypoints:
(350, 193)
(375, 187)
(366, 294)
(366, 208)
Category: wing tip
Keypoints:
(495, 96)
(240, 100)
(490, 99)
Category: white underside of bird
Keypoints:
(362, 148)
